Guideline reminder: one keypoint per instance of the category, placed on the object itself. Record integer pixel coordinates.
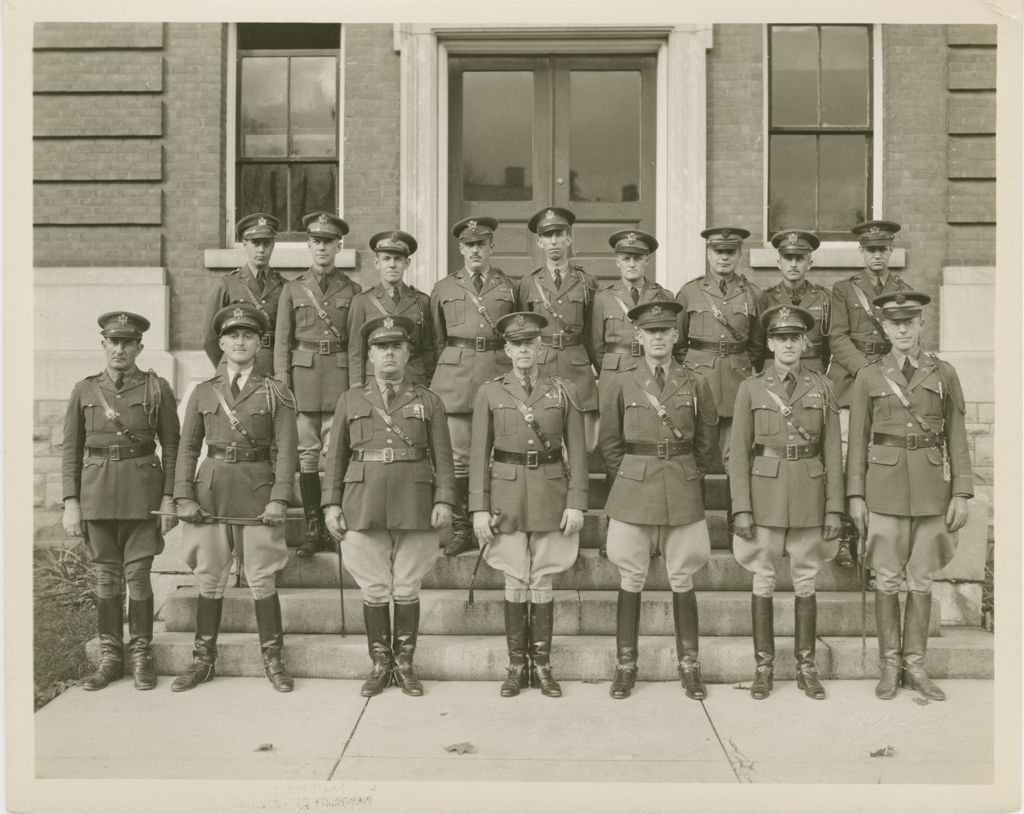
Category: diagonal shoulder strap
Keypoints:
(324, 316)
(659, 408)
(482, 309)
(547, 304)
(531, 422)
(236, 425)
(255, 300)
(380, 306)
(898, 391)
(862, 297)
(112, 416)
(787, 413)
(717, 313)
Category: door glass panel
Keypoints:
(497, 135)
(794, 76)
(263, 188)
(604, 136)
(845, 82)
(843, 184)
(264, 125)
(792, 177)
(313, 106)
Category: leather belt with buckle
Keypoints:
(662, 449)
(911, 441)
(873, 347)
(531, 459)
(233, 455)
(791, 452)
(560, 340)
(266, 341)
(625, 348)
(118, 452)
(325, 347)
(721, 347)
(389, 455)
(480, 343)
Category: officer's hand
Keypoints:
(275, 513)
(441, 516)
(572, 522)
(858, 511)
(72, 519)
(743, 525)
(167, 508)
(335, 522)
(482, 527)
(833, 525)
(189, 511)
(956, 514)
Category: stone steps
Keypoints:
(958, 653)
(587, 613)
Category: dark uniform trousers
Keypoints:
(240, 286)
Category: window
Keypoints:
(286, 150)
(820, 128)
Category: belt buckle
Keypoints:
(556, 341)
(723, 347)
(389, 455)
(792, 452)
(635, 349)
(912, 441)
(265, 341)
(325, 347)
(532, 459)
(114, 452)
(481, 344)
(231, 454)
(661, 449)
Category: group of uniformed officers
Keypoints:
(477, 406)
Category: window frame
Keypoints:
(232, 157)
(875, 127)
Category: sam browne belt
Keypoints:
(531, 459)
(791, 452)
(872, 347)
(911, 441)
(722, 347)
(480, 343)
(233, 455)
(117, 452)
(562, 340)
(325, 347)
(663, 449)
(389, 455)
(625, 348)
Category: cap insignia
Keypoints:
(726, 235)
(238, 313)
(549, 214)
(656, 310)
(793, 237)
(122, 319)
(471, 225)
(322, 219)
(261, 222)
(389, 323)
(631, 238)
(785, 313)
(519, 321)
(874, 231)
(901, 298)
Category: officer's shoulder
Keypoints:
(160, 380)
(750, 284)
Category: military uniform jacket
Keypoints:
(740, 306)
(317, 379)
(266, 410)
(850, 323)
(461, 371)
(907, 482)
(131, 488)
(784, 493)
(610, 326)
(414, 305)
(396, 495)
(568, 312)
(240, 286)
(530, 499)
(818, 301)
(648, 490)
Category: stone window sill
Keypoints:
(285, 258)
(827, 257)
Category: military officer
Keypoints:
(612, 342)
(529, 461)
(240, 494)
(908, 482)
(388, 489)
(255, 283)
(113, 481)
(787, 487)
(658, 428)
(391, 297)
(311, 356)
(564, 293)
(465, 308)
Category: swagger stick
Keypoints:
(495, 519)
(341, 588)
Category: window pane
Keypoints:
(314, 188)
(845, 85)
(497, 136)
(843, 185)
(791, 183)
(604, 135)
(314, 112)
(794, 78)
(264, 117)
(265, 36)
(263, 188)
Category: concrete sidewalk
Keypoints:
(238, 728)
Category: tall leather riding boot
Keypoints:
(378, 637)
(542, 617)
(627, 637)
(762, 612)
(407, 625)
(462, 529)
(140, 640)
(309, 490)
(806, 612)
(915, 645)
(684, 611)
(887, 624)
(110, 626)
(516, 634)
(268, 622)
(204, 650)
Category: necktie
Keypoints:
(878, 286)
(528, 386)
(234, 384)
(395, 295)
(259, 281)
(119, 381)
(558, 279)
(795, 296)
(323, 283)
(478, 281)
(634, 294)
(389, 394)
(724, 286)
(908, 369)
(659, 377)
(790, 383)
